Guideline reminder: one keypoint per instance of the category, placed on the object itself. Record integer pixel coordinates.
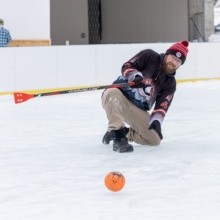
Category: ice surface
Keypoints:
(53, 164)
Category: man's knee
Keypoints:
(111, 95)
(150, 139)
(156, 142)
(153, 142)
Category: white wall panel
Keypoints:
(76, 65)
(35, 67)
(7, 69)
(110, 59)
(32, 68)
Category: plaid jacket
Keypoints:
(5, 37)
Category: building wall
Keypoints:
(209, 18)
(201, 16)
(26, 19)
(69, 22)
(123, 21)
(144, 21)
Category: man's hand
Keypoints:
(137, 80)
(155, 125)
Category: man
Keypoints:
(5, 36)
(153, 75)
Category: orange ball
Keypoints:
(114, 181)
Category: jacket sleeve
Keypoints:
(135, 65)
(163, 103)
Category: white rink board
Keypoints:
(33, 68)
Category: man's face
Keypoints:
(171, 63)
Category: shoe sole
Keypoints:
(105, 142)
(126, 151)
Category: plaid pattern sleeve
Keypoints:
(5, 37)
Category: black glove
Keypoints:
(155, 125)
(138, 83)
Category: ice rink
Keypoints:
(53, 163)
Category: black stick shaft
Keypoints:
(83, 89)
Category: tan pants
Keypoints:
(120, 110)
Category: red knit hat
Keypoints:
(179, 50)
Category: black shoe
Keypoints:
(120, 142)
(109, 135)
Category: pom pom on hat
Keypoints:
(185, 43)
(179, 50)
